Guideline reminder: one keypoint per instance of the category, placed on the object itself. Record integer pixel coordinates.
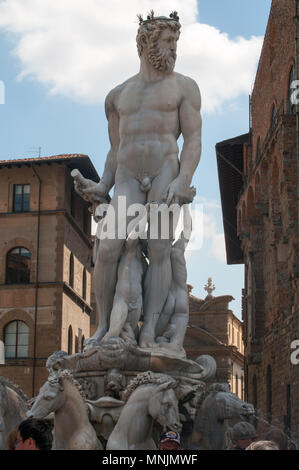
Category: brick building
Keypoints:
(258, 177)
(45, 253)
(213, 329)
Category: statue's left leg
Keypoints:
(156, 287)
(159, 273)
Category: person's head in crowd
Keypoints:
(170, 440)
(243, 435)
(263, 445)
(279, 437)
(11, 439)
(34, 434)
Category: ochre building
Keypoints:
(45, 270)
(213, 329)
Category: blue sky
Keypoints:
(55, 100)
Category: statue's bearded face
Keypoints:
(161, 54)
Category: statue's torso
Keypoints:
(148, 124)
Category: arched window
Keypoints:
(291, 106)
(84, 284)
(70, 341)
(18, 266)
(269, 393)
(16, 340)
(274, 117)
(71, 271)
(76, 344)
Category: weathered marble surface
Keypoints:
(150, 397)
(219, 411)
(13, 408)
(145, 277)
(116, 353)
(62, 395)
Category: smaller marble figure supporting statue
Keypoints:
(144, 278)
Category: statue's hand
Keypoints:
(91, 191)
(179, 192)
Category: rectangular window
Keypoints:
(16, 340)
(21, 201)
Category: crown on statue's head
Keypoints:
(151, 17)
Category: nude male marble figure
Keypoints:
(146, 115)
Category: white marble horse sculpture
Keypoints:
(13, 407)
(62, 395)
(149, 397)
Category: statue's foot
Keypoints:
(106, 337)
(147, 342)
(95, 340)
(162, 339)
(89, 344)
(147, 337)
(173, 347)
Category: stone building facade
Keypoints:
(213, 329)
(45, 264)
(260, 171)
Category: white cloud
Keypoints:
(205, 234)
(83, 48)
(218, 247)
(213, 239)
(208, 204)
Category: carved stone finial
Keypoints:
(209, 287)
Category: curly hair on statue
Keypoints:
(149, 32)
(148, 378)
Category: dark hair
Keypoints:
(38, 429)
